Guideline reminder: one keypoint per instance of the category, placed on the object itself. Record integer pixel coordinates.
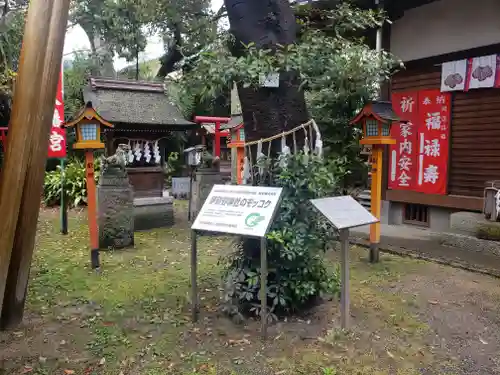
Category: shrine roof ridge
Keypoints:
(126, 102)
(127, 85)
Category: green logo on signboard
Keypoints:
(253, 220)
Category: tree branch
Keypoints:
(174, 54)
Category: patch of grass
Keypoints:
(106, 341)
(488, 231)
(135, 313)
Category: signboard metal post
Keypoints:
(263, 286)
(194, 281)
(345, 299)
(241, 210)
(344, 213)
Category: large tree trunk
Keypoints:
(266, 23)
(102, 56)
(266, 111)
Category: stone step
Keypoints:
(364, 198)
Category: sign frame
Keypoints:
(272, 216)
(263, 258)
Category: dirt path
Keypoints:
(409, 317)
(462, 310)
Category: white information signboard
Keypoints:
(238, 209)
(344, 212)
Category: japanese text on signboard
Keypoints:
(419, 160)
(238, 209)
(240, 202)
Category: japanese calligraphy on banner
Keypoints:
(57, 140)
(433, 141)
(238, 209)
(419, 159)
(402, 155)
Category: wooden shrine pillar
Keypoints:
(21, 179)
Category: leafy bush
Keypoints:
(296, 244)
(171, 167)
(75, 186)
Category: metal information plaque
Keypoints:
(238, 209)
(344, 212)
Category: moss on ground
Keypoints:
(133, 318)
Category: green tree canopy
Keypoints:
(122, 27)
(338, 70)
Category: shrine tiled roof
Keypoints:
(235, 121)
(134, 103)
(384, 110)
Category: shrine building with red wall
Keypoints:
(451, 83)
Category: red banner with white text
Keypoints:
(419, 159)
(402, 155)
(433, 141)
(57, 140)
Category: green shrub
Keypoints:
(296, 244)
(171, 167)
(75, 186)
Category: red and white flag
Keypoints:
(57, 140)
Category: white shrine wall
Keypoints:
(445, 26)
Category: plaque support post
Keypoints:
(190, 203)
(345, 299)
(194, 282)
(263, 286)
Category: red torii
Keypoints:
(218, 133)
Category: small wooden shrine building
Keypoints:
(143, 117)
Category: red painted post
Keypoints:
(217, 139)
(92, 209)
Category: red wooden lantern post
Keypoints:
(218, 133)
(88, 138)
(376, 119)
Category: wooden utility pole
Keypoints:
(22, 176)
